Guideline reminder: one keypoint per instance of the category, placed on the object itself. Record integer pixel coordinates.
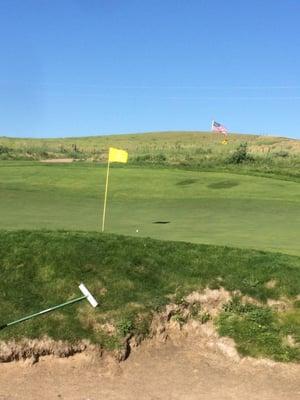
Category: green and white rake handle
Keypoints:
(86, 295)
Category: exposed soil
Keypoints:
(58, 160)
(154, 371)
(180, 361)
(32, 349)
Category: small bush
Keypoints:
(160, 157)
(240, 155)
(143, 158)
(282, 154)
(4, 149)
(76, 155)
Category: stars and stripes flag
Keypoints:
(216, 127)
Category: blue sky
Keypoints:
(87, 67)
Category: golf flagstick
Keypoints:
(86, 295)
(105, 196)
(114, 155)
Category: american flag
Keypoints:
(216, 127)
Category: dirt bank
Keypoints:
(186, 361)
(154, 371)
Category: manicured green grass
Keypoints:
(132, 277)
(202, 207)
(215, 204)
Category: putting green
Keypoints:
(203, 207)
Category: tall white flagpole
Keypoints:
(212, 124)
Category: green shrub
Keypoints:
(240, 155)
(160, 158)
(143, 158)
(282, 154)
(4, 149)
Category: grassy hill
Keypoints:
(193, 150)
(139, 143)
(173, 143)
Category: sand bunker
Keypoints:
(179, 361)
(58, 160)
(172, 370)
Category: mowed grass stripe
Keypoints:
(202, 207)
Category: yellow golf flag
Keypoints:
(117, 155)
(114, 155)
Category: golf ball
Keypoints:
(137, 231)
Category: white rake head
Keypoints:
(90, 298)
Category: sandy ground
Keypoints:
(154, 371)
(58, 160)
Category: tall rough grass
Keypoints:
(264, 155)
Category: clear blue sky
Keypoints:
(87, 67)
